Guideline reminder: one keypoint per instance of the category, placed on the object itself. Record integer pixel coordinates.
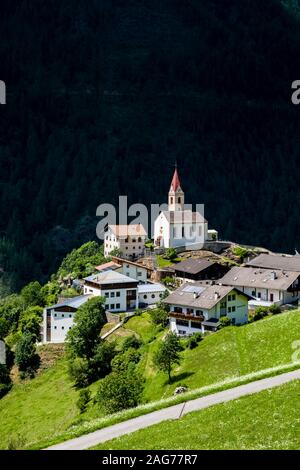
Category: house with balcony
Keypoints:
(266, 286)
(128, 239)
(199, 269)
(199, 307)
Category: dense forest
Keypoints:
(103, 96)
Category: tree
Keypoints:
(81, 261)
(26, 356)
(84, 338)
(131, 342)
(120, 390)
(32, 294)
(168, 354)
(30, 321)
(159, 316)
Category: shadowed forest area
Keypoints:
(102, 97)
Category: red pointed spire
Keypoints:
(175, 183)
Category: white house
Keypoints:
(120, 291)
(150, 293)
(129, 239)
(59, 318)
(126, 267)
(268, 286)
(197, 307)
(177, 226)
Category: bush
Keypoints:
(26, 357)
(260, 313)
(275, 309)
(192, 343)
(5, 380)
(30, 321)
(125, 360)
(83, 400)
(225, 321)
(131, 342)
(79, 372)
(100, 364)
(171, 254)
(120, 390)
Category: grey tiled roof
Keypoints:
(193, 266)
(289, 263)
(258, 277)
(206, 296)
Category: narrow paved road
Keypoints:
(173, 412)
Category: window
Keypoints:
(118, 294)
(117, 305)
(160, 295)
(199, 313)
(63, 315)
(153, 296)
(179, 200)
(223, 304)
(182, 232)
(133, 240)
(233, 297)
(126, 241)
(112, 294)
(62, 327)
(259, 295)
(195, 324)
(229, 309)
(253, 293)
(139, 239)
(171, 200)
(106, 306)
(55, 327)
(139, 273)
(133, 247)
(178, 309)
(145, 296)
(112, 306)
(106, 294)
(233, 309)
(182, 322)
(91, 290)
(55, 314)
(233, 321)
(271, 297)
(70, 316)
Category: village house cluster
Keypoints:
(205, 289)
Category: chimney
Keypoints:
(216, 296)
(273, 275)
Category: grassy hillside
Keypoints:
(267, 420)
(46, 406)
(231, 352)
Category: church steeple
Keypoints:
(176, 195)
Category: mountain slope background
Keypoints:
(103, 97)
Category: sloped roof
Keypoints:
(74, 302)
(193, 266)
(175, 183)
(183, 217)
(289, 263)
(206, 296)
(110, 277)
(151, 287)
(133, 230)
(106, 266)
(259, 277)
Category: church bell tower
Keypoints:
(176, 195)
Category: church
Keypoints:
(180, 227)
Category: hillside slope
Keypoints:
(268, 420)
(45, 407)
